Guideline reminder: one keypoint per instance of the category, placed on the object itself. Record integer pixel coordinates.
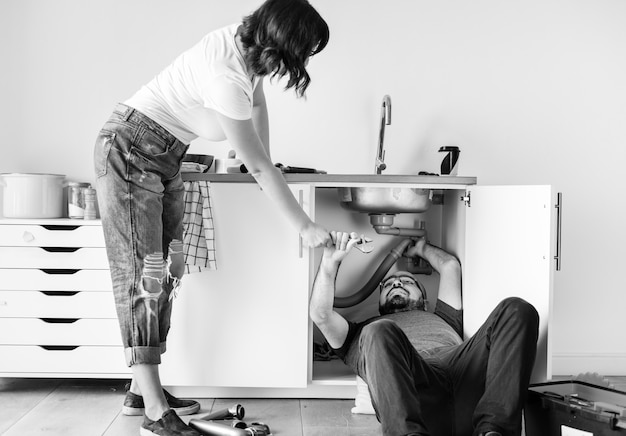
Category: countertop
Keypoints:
(338, 180)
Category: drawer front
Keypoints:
(35, 304)
(34, 331)
(51, 280)
(18, 235)
(85, 360)
(53, 258)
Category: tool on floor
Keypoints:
(212, 428)
(236, 411)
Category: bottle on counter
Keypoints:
(89, 195)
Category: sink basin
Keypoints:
(385, 200)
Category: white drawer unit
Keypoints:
(57, 312)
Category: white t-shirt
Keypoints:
(207, 79)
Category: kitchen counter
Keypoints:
(339, 180)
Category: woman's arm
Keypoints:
(244, 139)
(260, 117)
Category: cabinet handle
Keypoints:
(59, 293)
(59, 320)
(301, 203)
(59, 271)
(59, 347)
(60, 249)
(559, 218)
(59, 227)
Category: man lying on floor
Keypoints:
(422, 377)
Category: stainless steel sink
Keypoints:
(385, 200)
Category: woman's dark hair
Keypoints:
(287, 31)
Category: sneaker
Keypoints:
(133, 404)
(170, 424)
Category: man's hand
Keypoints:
(416, 250)
(339, 246)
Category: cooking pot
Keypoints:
(32, 195)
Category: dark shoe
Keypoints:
(133, 404)
(170, 424)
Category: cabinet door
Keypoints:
(509, 252)
(246, 323)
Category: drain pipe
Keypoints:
(383, 222)
(374, 281)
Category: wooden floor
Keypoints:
(93, 408)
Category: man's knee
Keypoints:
(382, 332)
(521, 310)
(380, 328)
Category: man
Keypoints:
(422, 377)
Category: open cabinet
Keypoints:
(244, 331)
(506, 244)
(504, 237)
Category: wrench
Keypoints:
(365, 245)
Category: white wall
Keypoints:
(532, 91)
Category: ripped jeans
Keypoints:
(140, 195)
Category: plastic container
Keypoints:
(574, 408)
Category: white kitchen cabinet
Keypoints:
(508, 250)
(245, 324)
(57, 314)
(243, 330)
(255, 304)
(504, 237)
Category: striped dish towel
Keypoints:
(198, 230)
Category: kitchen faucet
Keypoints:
(385, 119)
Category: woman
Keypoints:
(213, 90)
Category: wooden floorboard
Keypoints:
(326, 417)
(93, 408)
(74, 408)
(19, 396)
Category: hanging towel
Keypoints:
(198, 229)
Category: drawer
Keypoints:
(85, 360)
(55, 280)
(51, 235)
(35, 331)
(53, 258)
(36, 304)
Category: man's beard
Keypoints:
(400, 303)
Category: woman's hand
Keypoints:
(314, 235)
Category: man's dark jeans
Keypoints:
(467, 389)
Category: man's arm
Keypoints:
(333, 326)
(447, 266)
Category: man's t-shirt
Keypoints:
(425, 330)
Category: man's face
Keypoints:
(400, 292)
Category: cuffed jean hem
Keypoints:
(144, 355)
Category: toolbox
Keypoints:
(574, 408)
